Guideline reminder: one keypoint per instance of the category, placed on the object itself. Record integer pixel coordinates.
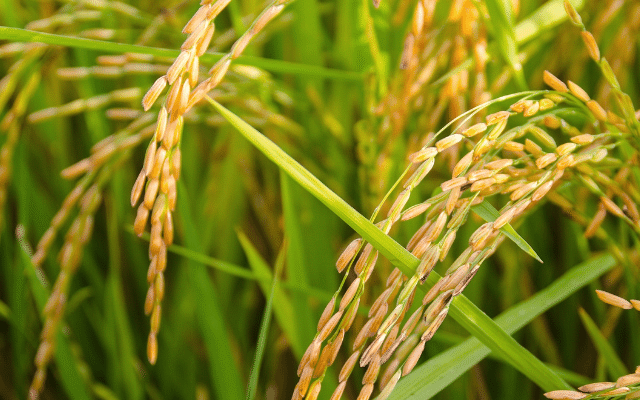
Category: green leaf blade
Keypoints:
(254, 257)
(501, 22)
(224, 371)
(614, 365)
(272, 65)
(487, 212)
(283, 308)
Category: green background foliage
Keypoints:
(282, 166)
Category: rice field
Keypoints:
(309, 199)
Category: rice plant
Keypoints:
(470, 168)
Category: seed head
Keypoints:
(573, 15)
(613, 300)
(596, 387)
(423, 154)
(449, 141)
(565, 394)
(579, 92)
(475, 129)
(153, 93)
(555, 83)
(592, 46)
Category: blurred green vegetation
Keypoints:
(253, 264)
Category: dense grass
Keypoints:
(304, 146)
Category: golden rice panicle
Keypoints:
(612, 207)
(101, 151)
(628, 380)
(566, 148)
(497, 117)
(157, 182)
(69, 256)
(552, 81)
(449, 141)
(596, 387)
(579, 92)
(161, 168)
(528, 184)
(573, 14)
(462, 165)
(565, 395)
(315, 360)
(543, 161)
(532, 109)
(152, 95)
(365, 392)
(384, 331)
(614, 300)
(546, 104)
(348, 254)
(475, 129)
(390, 385)
(623, 385)
(592, 46)
(423, 154)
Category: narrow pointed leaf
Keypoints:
(614, 365)
(282, 307)
(254, 257)
(272, 65)
(487, 212)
